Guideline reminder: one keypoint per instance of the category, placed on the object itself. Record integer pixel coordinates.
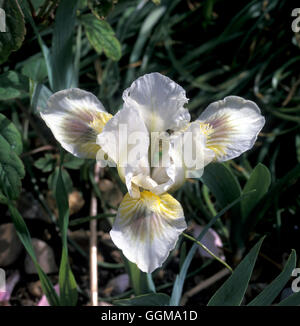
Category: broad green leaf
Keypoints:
(62, 57)
(13, 38)
(232, 292)
(11, 173)
(101, 36)
(268, 295)
(35, 68)
(141, 282)
(67, 283)
(222, 183)
(72, 162)
(13, 85)
(225, 188)
(10, 134)
(267, 201)
(11, 167)
(152, 299)
(46, 163)
(25, 238)
(259, 180)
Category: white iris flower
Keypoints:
(142, 140)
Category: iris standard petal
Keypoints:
(147, 229)
(160, 102)
(125, 139)
(189, 153)
(75, 118)
(231, 126)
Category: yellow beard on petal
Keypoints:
(83, 132)
(100, 121)
(147, 209)
(150, 199)
(218, 134)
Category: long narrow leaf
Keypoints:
(233, 290)
(292, 300)
(141, 282)
(67, 283)
(25, 238)
(62, 57)
(267, 296)
(180, 278)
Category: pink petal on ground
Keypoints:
(11, 282)
(44, 301)
(211, 240)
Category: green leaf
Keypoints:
(46, 163)
(35, 68)
(143, 37)
(231, 293)
(62, 59)
(13, 85)
(101, 36)
(11, 167)
(25, 238)
(259, 180)
(141, 282)
(72, 162)
(39, 97)
(297, 143)
(268, 200)
(67, 283)
(37, 3)
(268, 295)
(292, 300)
(152, 299)
(44, 48)
(180, 278)
(3, 199)
(52, 180)
(10, 134)
(225, 188)
(222, 183)
(13, 38)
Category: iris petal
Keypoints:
(231, 126)
(159, 101)
(147, 229)
(75, 118)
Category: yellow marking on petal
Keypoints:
(100, 121)
(150, 199)
(218, 133)
(206, 128)
(82, 128)
(145, 214)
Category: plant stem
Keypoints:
(93, 243)
(208, 251)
